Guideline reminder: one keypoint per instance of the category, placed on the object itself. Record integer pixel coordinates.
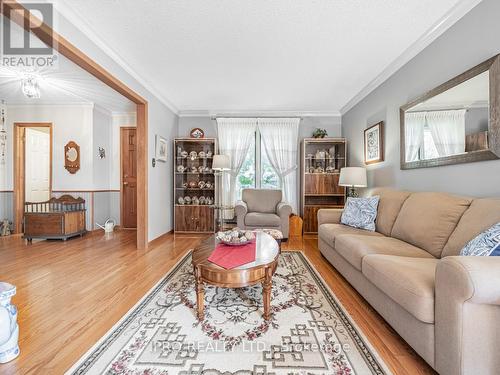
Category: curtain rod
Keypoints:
(228, 116)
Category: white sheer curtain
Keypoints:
(235, 136)
(280, 137)
(414, 134)
(448, 131)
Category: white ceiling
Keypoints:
(261, 55)
(66, 83)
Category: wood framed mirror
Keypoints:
(72, 157)
(457, 122)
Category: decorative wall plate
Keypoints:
(197, 133)
(72, 157)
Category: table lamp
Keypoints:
(353, 177)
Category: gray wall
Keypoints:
(470, 41)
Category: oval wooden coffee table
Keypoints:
(259, 271)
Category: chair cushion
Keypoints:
(328, 232)
(427, 220)
(354, 248)
(258, 219)
(389, 205)
(261, 200)
(360, 213)
(482, 214)
(408, 281)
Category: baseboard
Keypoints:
(161, 238)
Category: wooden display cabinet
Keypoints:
(321, 161)
(194, 185)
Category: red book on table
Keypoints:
(229, 257)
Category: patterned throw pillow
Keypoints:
(360, 213)
(484, 244)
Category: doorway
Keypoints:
(15, 11)
(128, 177)
(32, 167)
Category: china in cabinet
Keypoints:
(194, 185)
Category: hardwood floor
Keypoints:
(69, 294)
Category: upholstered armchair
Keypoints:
(263, 208)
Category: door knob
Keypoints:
(125, 183)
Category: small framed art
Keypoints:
(161, 148)
(374, 143)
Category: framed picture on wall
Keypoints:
(374, 143)
(161, 148)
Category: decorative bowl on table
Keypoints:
(235, 237)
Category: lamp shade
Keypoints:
(221, 163)
(353, 176)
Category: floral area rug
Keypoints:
(309, 333)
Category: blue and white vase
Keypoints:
(9, 329)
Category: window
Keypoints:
(256, 171)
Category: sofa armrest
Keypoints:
(283, 209)
(329, 216)
(240, 210)
(467, 314)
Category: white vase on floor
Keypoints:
(9, 329)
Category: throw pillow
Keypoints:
(486, 243)
(360, 212)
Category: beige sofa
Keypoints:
(447, 307)
(263, 208)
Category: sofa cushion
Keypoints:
(360, 213)
(427, 220)
(409, 282)
(482, 214)
(258, 219)
(486, 243)
(328, 232)
(389, 205)
(261, 200)
(354, 248)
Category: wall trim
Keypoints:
(449, 19)
(210, 113)
(87, 191)
(34, 104)
(103, 110)
(73, 17)
(161, 238)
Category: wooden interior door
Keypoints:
(128, 141)
(20, 168)
(37, 164)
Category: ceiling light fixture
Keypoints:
(30, 86)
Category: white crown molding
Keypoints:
(71, 15)
(16, 104)
(455, 14)
(212, 113)
(102, 110)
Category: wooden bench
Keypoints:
(57, 218)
